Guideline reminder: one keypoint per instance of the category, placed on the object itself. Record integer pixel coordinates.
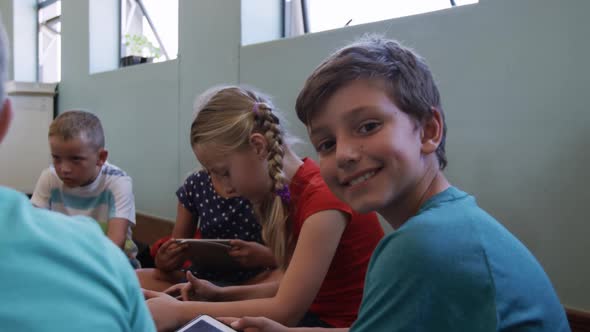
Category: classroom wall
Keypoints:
(511, 75)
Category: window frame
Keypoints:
(287, 18)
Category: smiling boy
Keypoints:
(375, 118)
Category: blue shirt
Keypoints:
(453, 267)
(60, 273)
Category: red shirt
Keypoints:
(339, 298)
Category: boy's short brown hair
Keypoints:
(406, 77)
(76, 123)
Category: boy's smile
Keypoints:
(75, 160)
(359, 179)
(369, 150)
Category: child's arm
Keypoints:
(171, 256)
(203, 290)
(184, 226)
(117, 231)
(123, 213)
(252, 254)
(316, 246)
(42, 191)
(263, 324)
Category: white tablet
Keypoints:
(220, 241)
(205, 323)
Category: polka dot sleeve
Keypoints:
(190, 193)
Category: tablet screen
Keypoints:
(203, 326)
(205, 323)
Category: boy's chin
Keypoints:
(70, 184)
(363, 206)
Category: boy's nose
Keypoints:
(65, 168)
(346, 155)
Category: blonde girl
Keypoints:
(321, 244)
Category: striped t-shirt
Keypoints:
(109, 196)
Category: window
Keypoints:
(149, 31)
(49, 41)
(303, 16)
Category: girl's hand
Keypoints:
(254, 324)
(251, 254)
(175, 290)
(195, 290)
(164, 310)
(170, 256)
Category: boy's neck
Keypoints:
(98, 168)
(291, 163)
(398, 212)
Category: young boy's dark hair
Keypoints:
(408, 80)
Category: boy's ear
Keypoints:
(102, 156)
(260, 145)
(432, 131)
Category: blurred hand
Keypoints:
(254, 324)
(171, 255)
(251, 254)
(195, 290)
(164, 310)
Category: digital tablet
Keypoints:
(205, 323)
(220, 241)
(211, 255)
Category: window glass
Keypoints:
(332, 14)
(149, 29)
(49, 41)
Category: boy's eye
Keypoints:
(368, 127)
(325, 146)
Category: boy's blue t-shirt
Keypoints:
(453, 267)
(60, 273)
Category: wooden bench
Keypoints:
(579, 320)
(148, 229)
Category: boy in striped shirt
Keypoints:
(82, 182)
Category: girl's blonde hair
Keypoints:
(227, 117)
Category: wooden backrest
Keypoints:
(148, 229)
(579, 320)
